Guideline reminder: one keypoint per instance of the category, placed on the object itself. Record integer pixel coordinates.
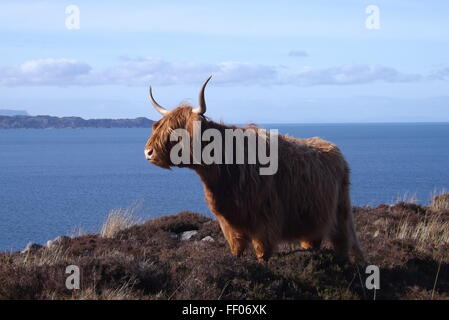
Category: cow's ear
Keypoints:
(155, 124)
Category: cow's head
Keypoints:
(158, 146)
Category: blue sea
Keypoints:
(53, 182)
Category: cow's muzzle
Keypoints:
(149, 154)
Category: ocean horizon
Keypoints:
(56, 181)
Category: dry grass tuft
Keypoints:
(440, 201)
(123, 292)
(118, 220)
(78, 232)
(44, 257)
(433, 230)
(407, 198)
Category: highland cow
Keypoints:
(306, 200)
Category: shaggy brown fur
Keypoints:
(307, 200)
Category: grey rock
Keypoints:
(58, 241)
(208, 238)
(31, 247)
(186, 235)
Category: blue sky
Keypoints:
(283, 61)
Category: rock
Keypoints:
(58, 241)
(186, 235)
(208, 238)
(31, 247)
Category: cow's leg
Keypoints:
(310, 244)
(340, 242)
(236, 240)
(263, 249)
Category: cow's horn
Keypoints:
(157, 106)
(201, 109)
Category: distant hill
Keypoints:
(7, 112)
(46, 122)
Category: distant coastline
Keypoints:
(50, 122)
(10, 112)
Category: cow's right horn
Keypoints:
(157, 106)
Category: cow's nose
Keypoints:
(148, 153)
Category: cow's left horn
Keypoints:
(157, 106)
(201, 109)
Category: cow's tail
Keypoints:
(344, 238)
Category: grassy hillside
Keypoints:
(409, 242)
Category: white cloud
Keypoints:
(45, 72)
(143, 71)
(156, 71)
(348, 74)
